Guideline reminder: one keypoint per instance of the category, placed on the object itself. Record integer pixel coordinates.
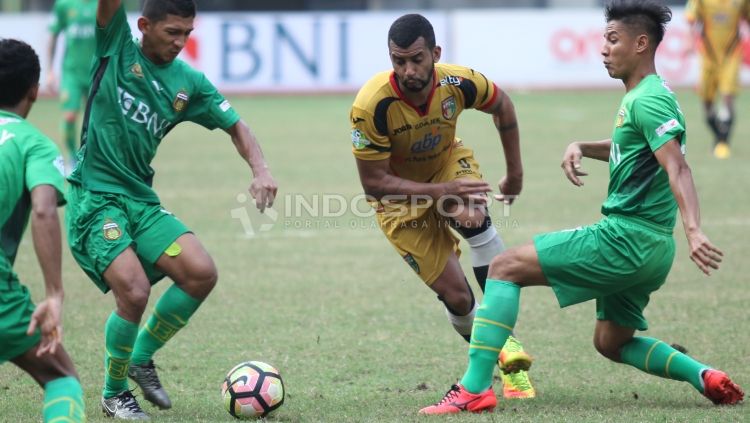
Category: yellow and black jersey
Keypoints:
(418, 140)
(721, 24)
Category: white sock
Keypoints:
(462, 324)
(485, 246)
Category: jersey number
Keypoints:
(6, 136)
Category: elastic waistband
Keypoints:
(642, 223)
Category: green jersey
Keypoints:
(649, 117)
(27, 159)
(76, 19)
(133, 104)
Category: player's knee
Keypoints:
(458, 303)
(503, 265)
(206, 274)
(201, 278)
(606, 348)
(133, 299)
(469, 219)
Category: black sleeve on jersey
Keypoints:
(487, 91)
(469, 90)
(381, 115)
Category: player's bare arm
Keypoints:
(571, 162)
(704, 254)
(264, 187)
(51, 83)
(504, 116)
(105, 11)
(45, 229)
(378, 181)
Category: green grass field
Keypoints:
(353, 331)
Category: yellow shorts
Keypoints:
(720, 76)
(422, 235)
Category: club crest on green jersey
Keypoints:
(111, 230)
(449, 107)
(620, 118)
(180, 101)
(137, 70)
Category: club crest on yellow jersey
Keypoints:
(409, 259)
(449, 108)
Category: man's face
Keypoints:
(413, 65)
(165, 39)
(620, 50)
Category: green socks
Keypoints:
(69, 135)
(63, 401)
(657, 358)
(171, 314)
(119, 336)
(493, 324)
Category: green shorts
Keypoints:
(102, 225)
(15, 315)
(619, 261)
(73, 89)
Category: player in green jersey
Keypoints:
(626, 256)
(117, 229)
(76, 19)
(31, 183)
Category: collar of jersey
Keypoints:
(401, 96)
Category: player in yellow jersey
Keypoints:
(423, 181)
(717, 24)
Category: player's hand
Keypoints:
(510, 186)
(47, 317)
(263, 189)
(474, 191)
(51, 83)
(704, 254)
(571, 164)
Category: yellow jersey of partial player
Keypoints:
(418, 140)
(721, 24)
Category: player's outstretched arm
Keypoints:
(504, 116)
(571, 162)
(105, 11)
(378, 181)
(264, 187)
(45, 229)
(51, 49)
(705, 255)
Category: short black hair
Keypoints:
(650, 16)
(406, 29)
(157, 10)
(19, 71)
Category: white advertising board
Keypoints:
(339, 51)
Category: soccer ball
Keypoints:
(252, 389)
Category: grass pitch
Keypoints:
(353, 331)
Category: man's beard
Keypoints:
(421, 83)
